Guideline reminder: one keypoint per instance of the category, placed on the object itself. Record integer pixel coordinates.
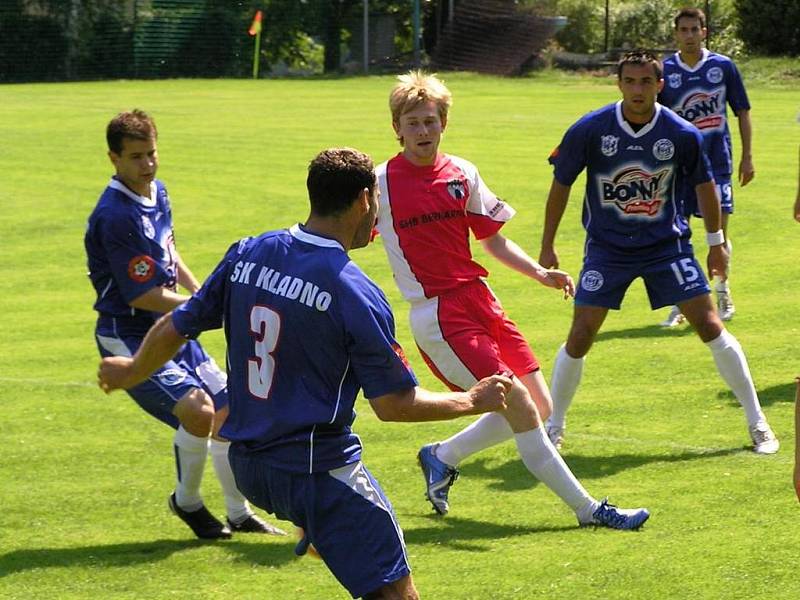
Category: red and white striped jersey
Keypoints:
(425, 216)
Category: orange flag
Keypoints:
(255, 27)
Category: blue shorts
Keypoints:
(724, 190)
(344, 513)
(189, 369)
(670, 276)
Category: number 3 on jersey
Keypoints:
(265, 326)
(685, 271)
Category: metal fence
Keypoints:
(49, 40)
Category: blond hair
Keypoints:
(415, 88)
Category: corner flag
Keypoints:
(255, 30)
(255, 27)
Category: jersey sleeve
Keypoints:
(375, 355)
(486, 213)
(694, 161)
(734, 89)
(205, 309)
(569, 157)
(129, 254)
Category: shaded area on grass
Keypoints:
(133, 553)
(459, 533)
(647, 331)
(783, 392)
(513, 476)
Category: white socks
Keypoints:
(567, 372)
(544, 462)
(732, 366)
(237, 507)
(490, 430)
(538, 455)
(190, 460)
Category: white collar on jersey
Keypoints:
(150, 202)
(703, 57)
(626, 127)
(297, 232)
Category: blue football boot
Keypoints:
(438, 478)
(608, 515)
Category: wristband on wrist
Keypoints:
(715, 238)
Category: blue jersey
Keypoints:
(130, 249)
(635, 180)
(306, 329)
(700, 94)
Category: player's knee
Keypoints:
(709, 328)
(537, 388)
(521, 411)
(579, 341)
(195, 411)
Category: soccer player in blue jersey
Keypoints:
(640, 159)
(699, 85)
(306, 330)
(135, 269)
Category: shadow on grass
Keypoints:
(133, 553)
(648, 331)
(513, 476)
(466, 534)
(783, 392)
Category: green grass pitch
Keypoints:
(84, 477)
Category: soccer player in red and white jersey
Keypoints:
(430, 202)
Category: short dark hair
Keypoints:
(640, 57)
(135, 124)
(690, 13)
(336, 177)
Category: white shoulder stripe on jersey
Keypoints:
(147, 202)
(310, 238)
(404, 276)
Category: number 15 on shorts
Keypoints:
(685, 271)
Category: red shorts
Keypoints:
(464, 335)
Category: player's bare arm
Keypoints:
(185, 276)
(556, 205)
(159, 345)
(510, 254)
(418, 404)
(746, 169)
(709, 203)
(159, 299)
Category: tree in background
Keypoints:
(771, 28)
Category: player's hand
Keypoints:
(548, 258)
(746, 171)
(114, 373)
(560, 280)
(718, 261)
(489, 394)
